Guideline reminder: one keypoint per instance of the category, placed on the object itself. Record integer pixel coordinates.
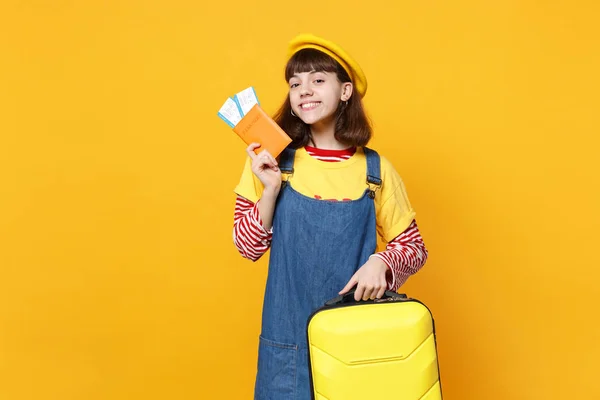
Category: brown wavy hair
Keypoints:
(352, 126)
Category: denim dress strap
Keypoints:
(286, 162)
(373, 171)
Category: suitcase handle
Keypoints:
(349, 297)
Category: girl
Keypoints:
(319, 209)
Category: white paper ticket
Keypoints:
(230, 113)
(246, 99)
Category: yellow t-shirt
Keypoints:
(343, 180)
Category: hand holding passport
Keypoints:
(252, 124)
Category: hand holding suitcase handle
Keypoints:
(349, 298)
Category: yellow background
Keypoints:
(118, 276)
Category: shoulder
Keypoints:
(387, 169)
(394, 211)
(392, 183)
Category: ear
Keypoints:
(347, 90)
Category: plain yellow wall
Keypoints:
(118, 276)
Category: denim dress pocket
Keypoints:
(276, 377)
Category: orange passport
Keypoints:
(257, 126)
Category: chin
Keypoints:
(312, 119)
(309, 121)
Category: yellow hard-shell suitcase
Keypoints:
(383, 348)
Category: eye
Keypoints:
(319, 80)
(293, 85)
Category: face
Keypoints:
(315, 96)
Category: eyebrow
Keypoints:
(310, 72)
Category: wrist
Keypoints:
(380, 261)
(271, 191)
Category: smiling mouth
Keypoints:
(310, 106)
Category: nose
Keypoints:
(305, 89)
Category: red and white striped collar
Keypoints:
(343, 154)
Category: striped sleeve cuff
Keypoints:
(249, 236)
(405, 256)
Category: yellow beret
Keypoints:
(308, 41)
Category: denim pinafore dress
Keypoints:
(317, 246)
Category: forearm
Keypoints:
(404, 256)
(249, 236)
(266, 207)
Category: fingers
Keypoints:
(349, 285)
(360, 290)
(271, 161)
(382, 290)
(262, 159)
(250, 150)
(369, 291)
(370, 283)
(358, 294)
(264, 154)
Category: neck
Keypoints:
(323, 137)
